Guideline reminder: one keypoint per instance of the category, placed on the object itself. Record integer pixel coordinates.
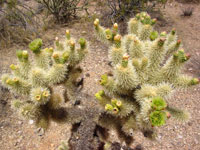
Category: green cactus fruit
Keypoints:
(99, 95)
(36, 45)
(181, 56)
(158, 118)
(153, 21)
(168, 114)
(67, 33)
(125, 61)
(104, 79)
(153, 35)
(119, 103)
(115, 28)
(25, 55)
(82, 43)
(109, 107)
(65, 57)
(12, 82)
(19, 54)
(161, 42)
(113, 102)
(194, 81)
(96, 22)
(158, 103)
(108, 33)
(137, 16)
(163, 34)
(173, 32)
(49, 50)
(56, 57)
(13, 67)
(72, 45)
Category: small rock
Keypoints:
(180, 136)
(40, 132)
(83, 32)
(20, 122)
(15, 143)
(31, 122)
(87, 75)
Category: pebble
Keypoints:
(87, 75)
(180, 136)
(20, 122)
(31, 122)
(83, 32)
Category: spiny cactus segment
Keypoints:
(35, 79)
(146, 70)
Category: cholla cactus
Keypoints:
(35, 79)
(135, 95)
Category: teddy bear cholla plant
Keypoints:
(35, 79)
(146, 70)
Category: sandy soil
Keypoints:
(17, 134)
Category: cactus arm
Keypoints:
(178, 114)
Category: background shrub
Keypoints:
(63, 10)
(121, 8)
(17, 23)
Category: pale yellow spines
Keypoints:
(56, 74)
(55, 101)
(38, 77)
(23, 66)
(28, 111)
(127, 41)
(116, 55)
(100, 31)
(16, 70)
(39, 95)
(129, 125)
(126, 76)
(145, 32)
(134, 26)
(173, 47)
(164, 90)
(171, 37)
(108, 84)
(155, 57)
(145, 109)
(172, 68)
(136, 49)
(140, 66)
(59, 46)
(146, 91)
(83, 50)
(185, 81)
(16, 84)
(178, 114)
(43, 59)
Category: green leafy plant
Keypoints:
(35, 79)
(135, 95)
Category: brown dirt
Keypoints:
(18, 134)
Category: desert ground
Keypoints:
(18, 134)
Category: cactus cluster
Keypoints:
(35, 79)
(146, 69)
